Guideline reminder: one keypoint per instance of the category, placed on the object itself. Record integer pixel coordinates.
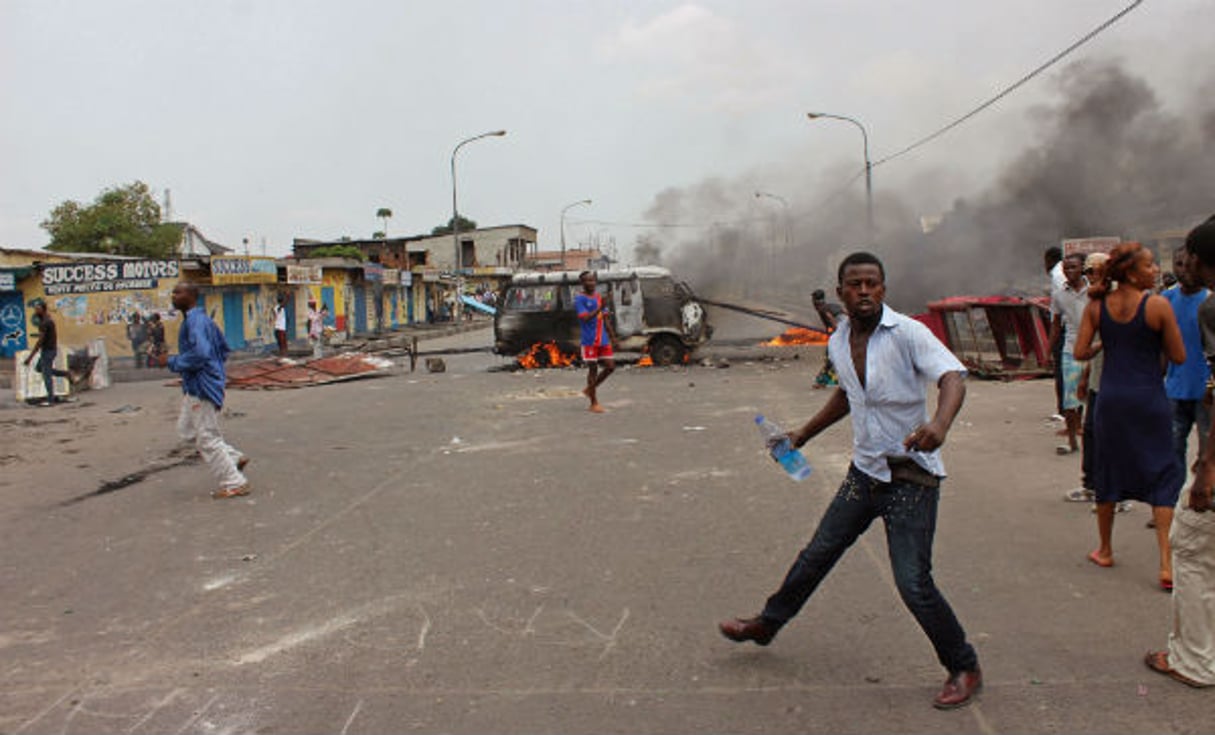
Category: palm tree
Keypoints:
(384, 213)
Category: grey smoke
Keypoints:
(1106, 159)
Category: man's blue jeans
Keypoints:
(909, 512)
(1187, 414)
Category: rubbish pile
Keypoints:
(276, 373)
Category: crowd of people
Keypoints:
(1133, 379)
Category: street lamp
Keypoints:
(563, 211)
(761, 195)
(868, 165)
(455, 217)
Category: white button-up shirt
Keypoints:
(902, 359)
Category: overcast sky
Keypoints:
(274, 119)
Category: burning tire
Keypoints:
(666, 350)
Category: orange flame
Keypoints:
(544, 354)
(798, 336)
(645, 361)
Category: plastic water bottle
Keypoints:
(782, 450)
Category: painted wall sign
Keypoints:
(237, 269)
(305, 275)
(392, 276)
(373, 272)
(127, 275)
(8, 281)
(1086, 245)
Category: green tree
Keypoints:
(384, 213)
(122, 220)
(465, 225)
(337, 251)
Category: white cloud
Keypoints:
(690, 52)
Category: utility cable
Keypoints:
(1014, 86)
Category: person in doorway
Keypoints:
(596, 339)
(316, 329)
(1132, 421)
(46, 348)
(137, 332)
(1190, 656)
(202, 352)
(1068, 304)
(885, 360)
(280, 324)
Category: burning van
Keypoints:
(650, 312)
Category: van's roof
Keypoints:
(560, 277)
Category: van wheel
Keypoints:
(666, 350)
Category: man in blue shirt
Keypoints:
(596, 337)
(1185, 383)
(200, 360)
(885, 361)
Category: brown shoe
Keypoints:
(959, 689)
(741, 630)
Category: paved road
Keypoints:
(472, 551)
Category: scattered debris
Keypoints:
(435, 365)
(277, 373)
(126, 408)
(694, 428)
(249, 557)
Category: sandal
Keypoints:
(1158, 661)
(234, 492)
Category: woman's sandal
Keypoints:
(234, 492)
(1158, 661)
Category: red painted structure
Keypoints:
(1001, 337)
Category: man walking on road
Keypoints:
(596, 338)
(47, 347)
(884, 359)
(202, 352)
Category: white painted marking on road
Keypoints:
(984, 726)
(610, 639)
(425, 628)
(219, 582)
(44, 712)
(299, 637)
(530, 628)
(353, 714)
(197, 715)
(167, 700)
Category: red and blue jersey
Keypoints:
(594, 331)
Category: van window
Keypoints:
(533, 298)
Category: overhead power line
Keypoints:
(1014, 86)
(827, 200)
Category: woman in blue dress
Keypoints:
(1132, 420)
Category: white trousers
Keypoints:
(199, 422)
(1192, 640)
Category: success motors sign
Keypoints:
(127, 275)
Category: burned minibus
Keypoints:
(651, 312)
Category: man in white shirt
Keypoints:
(280, 325)
(1067, 304)
(885, 361)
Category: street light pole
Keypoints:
(788, 235)
(455, 217)
(563, 211)
(868, 164)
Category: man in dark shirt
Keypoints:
(46, 348)
(828, 312)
